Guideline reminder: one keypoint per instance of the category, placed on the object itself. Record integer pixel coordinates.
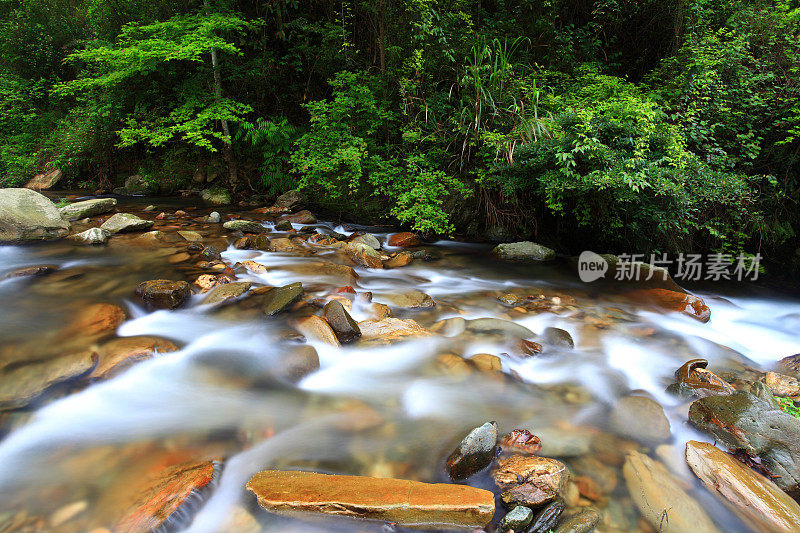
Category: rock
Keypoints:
(255, 268)
(790, 364)
(680, 302)
(380, 311)
(125, 222)
(214, 217)
(150, 238)
(406, 503)
(661, 498)
(521, 441)
(411, 299)
(487, 363)
(164, 495)
(281, 245)
(474, 453)
(510, 300)
(139, 185)
(163, 293)
(363, 255)
(221, 293)
(529, 480)
(26, 380)
(641, 419)
(341, 322)
(245, 226)
(190, 236)
(119, 354)
(149, 208)
(316, 328)
(546, 519)
(26, 215)
(450, 327)
(206, 282)
(755, 498)
(280, 298)
(44, 181)
(694, 381)
(404, 240)
(583, 522)
(87, 208)
(744, 421)
(516, 520)
(31, 271)
(400, 260)
(297, 363)
(216, 196)
(558, 337)
(523, 251)
(68, 512)
(368, 239)
(389, 330)
(498, 326)
(302, 217)
(96, 320)
(290, 200)
(91, 236)
(781, 385)
(283, 226)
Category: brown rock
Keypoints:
(281, 245)
(163, 293)
(400, 260)
(97, 320)
(297, 363)
(38, 270)
(341, 322)
(412, 299)
(521, 440)
(44, 181)
(393, 500)
(256, 268)
(694, 380)
(325, 271)
(680, 302)
(25, 381)
(121, 353)
(488, 363)
(781, 384)
(530, 480)
(380, 311)
(302, 217)
(755, 498)
(405, 239)
(391, 329)
(206, 282)
(227, 291)
(316, 328)
(165, 492)
(363, 255)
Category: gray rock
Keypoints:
(297, 363)
(221, 293)
(216, 196)
(754, 423)
(474, 453)
(290, 200)
(517, 519)
(641, 419)
(246, 226)
(139, 185)
(498, 326)
(284, 225)
(523, 251)
(125, 222)
(341, 322)
(368, 239)
(214, 217)
(279, 298)
(87, 208)
(558, 337)
(91, 236)
(26, 215)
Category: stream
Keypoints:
(76, 457)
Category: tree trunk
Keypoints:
(382, 34)
(227, 148)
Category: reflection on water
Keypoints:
(369, 410)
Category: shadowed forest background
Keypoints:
(621, 125)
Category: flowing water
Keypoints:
(70, 460)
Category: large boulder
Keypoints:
(407, 503)
(26, 215)
(290, 200)
(523, 251)
(125, 222)
(44, 181)
(87, 208)
(754, 423)
(216, 196)
(139, 185)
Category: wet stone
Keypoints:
(498, 326)
(283, 225)
(246, 226)
(316, 328)
(517, 519)
(341, 322)
(368, 239)
(31, 271)
(87, 208)
(25, 381)
(404, 239)
(530, 480)
(782, 385)
(280, 298)
(547, 518)
(521, 441)
(474, 453)
(695, 381)
(163, 293)
(91, 236)
(558, 337)
(227, 291)
(121, 222)
(583, 522)
(641, 419)
(399, 260)
(297, 362)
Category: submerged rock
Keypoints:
(474, 453)
(517, 519)
(96, 321)
(529, 480)
(246, 226)
(324, 271)
(583, 522)
(31, 271)
(26, 215)
(680, 302)
(87, 208)
(163, 293)
(523, 251)
(404, 502)
(26, 380)
(119, 354)
(744, 421)
(498, 326)
(755, 498)
(661, 498)
(227, 291)
(297, 362)
(641, 419)
(280, 298)
(343, 325)
(125, 222)
(91, 236)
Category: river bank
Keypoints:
(147, 381)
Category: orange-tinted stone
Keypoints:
(680, 302)
(405, 239)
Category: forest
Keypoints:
(649, 126)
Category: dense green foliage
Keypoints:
(624, 126)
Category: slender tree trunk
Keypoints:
(382, 34)
(227, 148)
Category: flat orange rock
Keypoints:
(680, 302)
(394, 500)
